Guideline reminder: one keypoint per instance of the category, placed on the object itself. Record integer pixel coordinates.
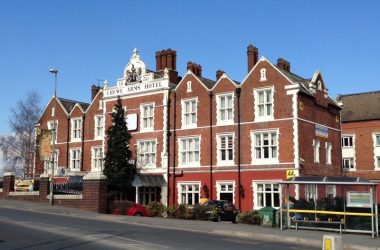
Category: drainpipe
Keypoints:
(67, 143)
(174, 143)
(82, 153)
(210, 94)
(168, 148)
(240, 188)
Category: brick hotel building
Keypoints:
(195, 138)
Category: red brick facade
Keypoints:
(210, 139)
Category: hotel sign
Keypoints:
(135, 88)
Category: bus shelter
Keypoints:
(331, 203)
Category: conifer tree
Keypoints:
(117, 163)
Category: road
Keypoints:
(32, 230)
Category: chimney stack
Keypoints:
(252, 56)
(219, 74)
(195, 68)
(283, 64)
(167, 59)
(94, 91)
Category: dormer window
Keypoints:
(263, 75)
(189, 89)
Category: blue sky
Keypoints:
(90, 40)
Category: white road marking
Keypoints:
(97, 236)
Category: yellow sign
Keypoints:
(45, 144)
(24, 185)
(290, 174)
(327, 244)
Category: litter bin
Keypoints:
(268, 216)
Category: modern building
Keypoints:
(194, 137)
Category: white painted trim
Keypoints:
(25, 193)
(97, 137)
(189, 72)
(183, 125)
(264, 118)
(224, 76)
(226, 122)
(71, 156)
(219, 161)
(80, 108)
(255, 191)
(150, 165)
(187, 183)
(193, 164)
(72, 120)
(270, 161)
(227, 182)
(148, 129)
(257, 65)
(376, 150)
(93, 158)
(294, 94)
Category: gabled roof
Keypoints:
(360, 106)
(69, 104)
(207, 82)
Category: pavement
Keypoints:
(304, 237)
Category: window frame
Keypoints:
(263, 74)
(316, 151)
(98, 126)
(187, 192)
(219, 154)
(144, 127)
(350, 159)
(256, 104)
(79, 160)
(328, 146)
(219, 189)
(75, 130)
(256, 192)
(188, 163)
(152, 155)
(227, 109)
(263, 160)
(97, 160)
(191, 113)
(48, 166)
(348, 138)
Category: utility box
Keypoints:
(332, 242)
(268, 216)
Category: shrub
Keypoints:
(189, 213)
(156, 209)
(214, 213)
(201, 212)
(170, 212)
(180, 213)
(250, 217)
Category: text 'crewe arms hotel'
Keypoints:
(136, 88)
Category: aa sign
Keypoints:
(290, 174)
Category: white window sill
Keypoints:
(189, 126)
(225, 163)
(75, 140)
(146, 130)
(190, 165)
(98, 138)
(264, 162)
(264, 118)
(224, 123)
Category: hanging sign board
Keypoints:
(45, 144)
(359, 199)
(321, 131)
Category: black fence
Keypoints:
(68, 185)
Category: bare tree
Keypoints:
(18, 147)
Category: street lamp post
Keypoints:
(55, 72)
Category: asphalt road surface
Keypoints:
(31, 230)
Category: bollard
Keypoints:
(332, 242)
